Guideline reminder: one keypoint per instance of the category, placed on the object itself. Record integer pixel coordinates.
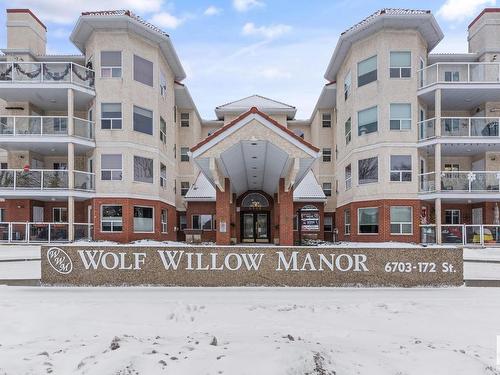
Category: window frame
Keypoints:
(348, 180)
(184, 190)
(401, 223)
(112, 120)
(400, 172)
(453, 74)
(111, 68)
(347, 85)
(133, 120)
(348, 134)
(399, 119)
(359, 221)
(359, 177)
(152, 219)
(61, 210)
(328, 122)
(373, 79)
(452, 211)
(399, 68)
(111, 170)
(326, 155)
(152, 169)
(327, 191)
(164, 220)
(183, 120)
(201, 223)
(163, 178)
(111, 221)
(360, 133)
(327, 225)
(185, 156)
(152, 71)
(347, 222)
(163, 131)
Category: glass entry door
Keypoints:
(255, 227)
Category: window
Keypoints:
(184, 187)
(367, 121)
(328, 224)
(111, 167)
(143, 219)
(400, 168)
(452, 216)
(143, 120)
(185, 120)
(163, 175)
(2, 215)
(400, 117)
(327, 189)
(182, 221)
(164, 221)
(143, 71)
(184, 154)
(143, 169)
(348, 177)
(111, 219)
(347, 222)
(204, 222)
(327, 154)
(347, 85)
(452, 168)
(111, 64)
(60, 166)
(347, 127)
(451, 126)
(400, 65)
(4, 166)
(255, 200)
(452, 76)
(367, 71)
(163, 85)
(59, 215)
(401, 220)
(368, 220)
(111, 116)
(326, 120)
(163, 131)
(367, 170)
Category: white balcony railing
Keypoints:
(473, 127)
(426, 129)
(462, 181)
(31, 232)
(44, 126)
(46, 72)
(44, 179)
(459, 72)
(462, 234)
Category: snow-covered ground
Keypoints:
(248, 331)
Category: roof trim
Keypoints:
(19, 10)
(485, 10)
(254, 110)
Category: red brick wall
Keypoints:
(223, 213)
(198, 208)
(320, 235)
(286, 214)
(384, 232)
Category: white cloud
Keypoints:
(244, 5)
(274, 73)
(268, 32)
(212, 11)
(66, 11)
(166, 20)
(461, 10)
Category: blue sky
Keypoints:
(234, 48)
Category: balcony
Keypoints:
(45, 126)
(47, 72)
(465, 127)
(31, 232)
(461, 234)
(47, 180)
(459, 73)
(463, 181)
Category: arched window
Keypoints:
(309, 207)
(255, 200)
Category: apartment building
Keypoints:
(108, 145)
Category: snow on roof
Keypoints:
(201, 190)
(308, 189)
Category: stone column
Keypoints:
(285, 214)
(437, 209)
(223, 214)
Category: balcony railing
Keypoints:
(473, 127)
(453, 73)
(471, 181)
(427, 182)
(31, 232)
(44, 126)
(44, 179)
(46, 72)
(461, 234)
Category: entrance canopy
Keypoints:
(254, 152)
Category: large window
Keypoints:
(184, 119)
(163, 131)
(347, 130)
(368, 220)
(367, 121)
(347, 222)
(184, 154)
(348, 177)
(367, 71)
(452, 216)
(143, 120)
(327, 155)
(326, 120)
(111, 64)
(143, 71)
(163, 175)
(111, 219)
(347, 85)
(400, 116)
(184, 187)
(111, 116)
(111, 167)
(327, 189)
(204, 222)
(367, 170)
(400, 168)
(164, 221)
(400, 65)
(59, 215)
(143, 219)
(143, 169)
(401, 220)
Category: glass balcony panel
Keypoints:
(6, 179)
(83, 76)
(27, 72)
(4, 232)
(83, 128)
(491, 234)
(18, 232)
(6, 69)
(39, 232)
(452, 234)
(454, 127)
(428, 234)
(84, 180)
(6, 125)
(58, 232)
(55, 179)
(29, 179)
(427, 182)
(55, 125)
(28, 125)
(57, 72)
(427, 129)
(454, 181)
(473, 234)
(83, 232)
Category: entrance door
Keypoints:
(255, 227)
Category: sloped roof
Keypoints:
(201, 190)
(262, 103)
(309, 189)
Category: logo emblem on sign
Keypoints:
(59, 260)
